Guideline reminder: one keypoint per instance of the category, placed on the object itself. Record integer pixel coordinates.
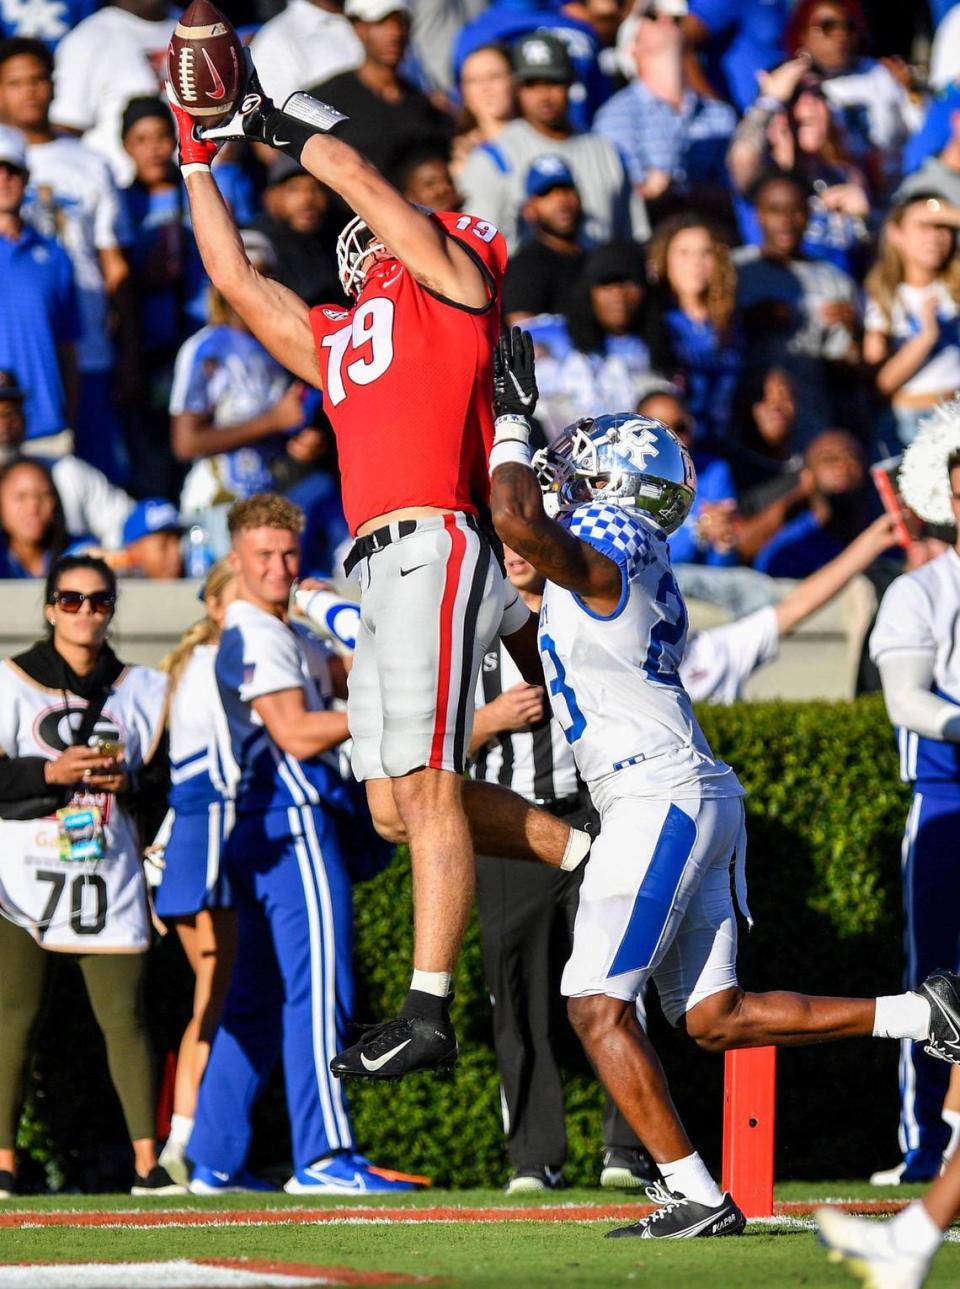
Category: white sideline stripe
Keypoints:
(180, 1274)
(785, 1220)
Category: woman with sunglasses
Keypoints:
(80, 736)
(874, 99)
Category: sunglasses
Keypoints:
(70, 601)
(831, 25)
(654, 15)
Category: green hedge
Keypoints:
(825, 814)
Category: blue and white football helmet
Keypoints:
(625, 459)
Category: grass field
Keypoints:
(250, 1240)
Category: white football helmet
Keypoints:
(622, 458)
(356, 246)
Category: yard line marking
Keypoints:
(190, 1273)
(140, 1219)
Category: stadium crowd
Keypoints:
(730, 215)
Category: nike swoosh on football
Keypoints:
(219, 90)
(405, 571)
(381, 1061)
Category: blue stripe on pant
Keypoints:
(931, 899)
(291, 990)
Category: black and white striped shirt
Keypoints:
(537, 762)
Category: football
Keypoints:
(206, 63)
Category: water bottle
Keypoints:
(200, 558)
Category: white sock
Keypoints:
(952, 1119)
(689, 1177)
(902, 1016)
(181, 1126)
(914, 1231)
(576, 850)
(431, 982)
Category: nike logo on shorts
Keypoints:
(405, 571)
(381, 1061)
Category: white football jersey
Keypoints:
(202, 766)
(920, 613)
(614, 681)
(79, 906)
(261, 655)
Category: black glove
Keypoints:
(259, 120)
(515, 390)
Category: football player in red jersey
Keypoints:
(406, 374)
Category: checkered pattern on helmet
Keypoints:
(614, 532)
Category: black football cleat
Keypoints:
(397, 1047)
(678, 1218)
(942, 990)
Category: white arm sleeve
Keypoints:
(906, 679)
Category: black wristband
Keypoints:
(301, 117)
(287, 134)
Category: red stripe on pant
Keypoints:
(458, 548)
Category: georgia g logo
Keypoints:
(55, 728)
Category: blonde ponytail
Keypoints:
(203, 632)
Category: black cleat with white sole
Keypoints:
(397, 1047)
(678, 1218)
(942, 991)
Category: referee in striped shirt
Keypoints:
(526, 919)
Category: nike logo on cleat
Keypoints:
(381, 1061)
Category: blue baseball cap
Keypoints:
(155, 515)
(546, 172)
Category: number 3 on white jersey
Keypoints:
(371, 327)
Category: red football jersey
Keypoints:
(407, 385)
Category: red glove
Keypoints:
(195, 154)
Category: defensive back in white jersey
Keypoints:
(614, 682)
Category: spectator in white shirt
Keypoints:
(116, 54)
(72, 197)
(912, 319)
(307, 42)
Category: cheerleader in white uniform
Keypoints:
(194, 894)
